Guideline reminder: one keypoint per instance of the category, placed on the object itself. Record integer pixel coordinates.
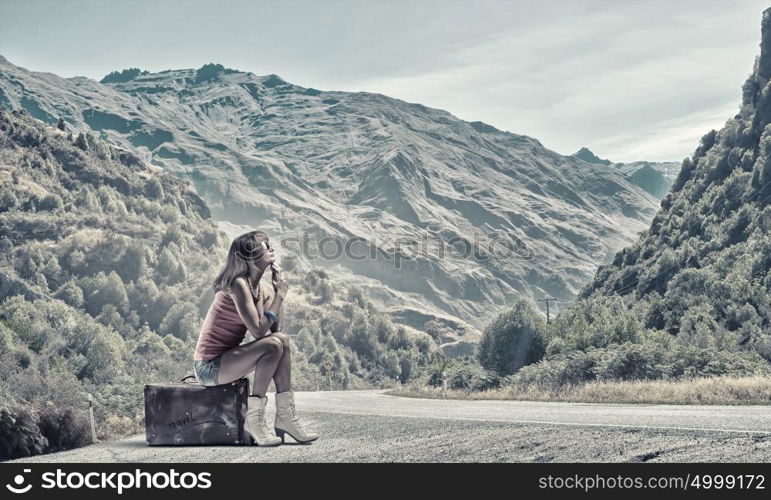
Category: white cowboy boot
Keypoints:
(255, 423)
(286, 420)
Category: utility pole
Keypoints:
(328, 369)
(548, 316)
(91, 417)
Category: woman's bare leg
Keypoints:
(282, 377)
(236, 363)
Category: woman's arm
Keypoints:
(244, 301)
(274, 306)
(278, 326)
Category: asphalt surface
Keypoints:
(370, 426)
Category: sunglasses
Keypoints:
(259, 249)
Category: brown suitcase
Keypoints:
(184, 413)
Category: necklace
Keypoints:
(251, 288)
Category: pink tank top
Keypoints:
(222, 329)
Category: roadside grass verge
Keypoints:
(722, 390)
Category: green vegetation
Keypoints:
(343, 342)
(105, 276)
(123, 76)
(595, 341)
(701, 272)
(717, 390)
(691, 298)
(97, 282)
(211, 71)
(513, 340)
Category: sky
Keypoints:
(631, 80)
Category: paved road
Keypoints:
(370, 426)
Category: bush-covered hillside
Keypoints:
(103, 268)
(105, 275)
(701, 272)
(692, 297)
(600, 339)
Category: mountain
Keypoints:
(106, 266)
(654, 177)
(407, 186)
(586, 154)
(701, 271)
(101, 255)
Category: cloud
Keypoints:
(657, 141)
(624, 73)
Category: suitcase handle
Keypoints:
(187, 377)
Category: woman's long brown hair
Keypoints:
(243, 252)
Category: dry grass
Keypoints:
(724, 390)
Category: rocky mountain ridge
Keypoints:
(404, 180)
(654, 177)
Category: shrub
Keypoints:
(50, 202)
(70, 293)
(153, 189)
(64, 429)
(630, 361)
(122, 76)
(513, 340)
(19, 433)
(8, 200)
(595, 322)
(81, 142)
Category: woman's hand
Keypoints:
(276, 274)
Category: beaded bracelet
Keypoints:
(271, 315)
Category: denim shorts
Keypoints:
(206, 371)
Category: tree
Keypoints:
(8, 200)
(154, 189)
(70, 293)
(208, 72)
(103, 289)
(19, 433)
(208, 237)
(81, 142)
(356, 296)
(383, 328)
(514, 339)
(172, 234)
(181, 321)
(405, 365)
(326, 294)
(391, 365)
(364, 340)
(123, 76)
(132, 265)
(26, 321)
(312, 279)
(170, 268)
(104, 355)
(52, 270)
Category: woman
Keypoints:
(237, 307)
